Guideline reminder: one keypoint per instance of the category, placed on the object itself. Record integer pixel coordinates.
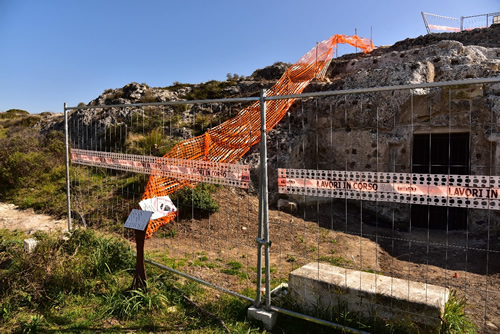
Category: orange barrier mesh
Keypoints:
(230, 140)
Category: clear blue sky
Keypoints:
(56, 51)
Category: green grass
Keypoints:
(334, 260)
(454, 317)
(202, 261)
(235, 269)
(82, 285)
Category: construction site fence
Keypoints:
(439, 23)
(352, 173)
(479, 21)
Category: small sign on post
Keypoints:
(138, 221)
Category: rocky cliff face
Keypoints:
(443, 61)
(374, 131)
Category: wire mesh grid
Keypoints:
(407, 192)
(432, 138)
(212, 238)
(438, 23)
(478, 21)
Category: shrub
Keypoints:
(53, 143)
(104, 255)
(23, 169)
(58, 267)
(17, 111)
(110, 256)
(200, 197)
(112, 95)
(209, 90)
(27, 121)
(20, 139)
(148, 97)
(32, 172)
(176, 85)
(178, 109)
(202, 122)
(13, 113)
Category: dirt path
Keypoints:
(12, 218)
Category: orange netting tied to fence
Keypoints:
(230, 140)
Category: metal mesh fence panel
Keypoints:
(407, 191)
(479, 21)
(212, 238)
(438, 23)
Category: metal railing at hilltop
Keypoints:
(439, 23)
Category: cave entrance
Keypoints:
(442, 153)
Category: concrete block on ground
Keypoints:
(268, 318)
(323, 286)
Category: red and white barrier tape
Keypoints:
(190, 170)
(471, 191)
(443, 28)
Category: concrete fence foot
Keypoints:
(268, 318)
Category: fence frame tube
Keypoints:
(66, 149)
(263, 233)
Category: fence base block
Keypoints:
(324, 288)
(268, 318)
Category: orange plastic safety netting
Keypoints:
(230, 140)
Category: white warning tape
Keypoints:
(189, 170)
(471, 191)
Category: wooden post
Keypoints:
(139, 281)
(138, 221)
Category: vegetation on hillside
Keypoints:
(32, 171)
(199, 198)
(16, 118)
(209, 90)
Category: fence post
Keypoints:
(66, 147)
(263, 234)
(265, 198)
(425, 22)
